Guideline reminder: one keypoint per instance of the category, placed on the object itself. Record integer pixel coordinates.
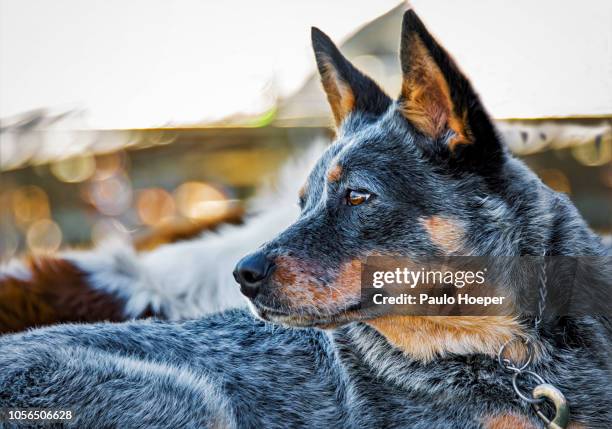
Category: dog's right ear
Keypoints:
(439, 101)
(347, 89)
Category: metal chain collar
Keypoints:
(542, 391)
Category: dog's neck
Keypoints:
(446, 377)
(475, 380)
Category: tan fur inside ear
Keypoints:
(339, 94)
(426, 100)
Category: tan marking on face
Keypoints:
(301, 286)
(334, 173)
(349, 277)
(507, 421)
(339, 94)
(426, 99)
(287, 269)
(428, 337)
(444, 232)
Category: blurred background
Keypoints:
(122, 117)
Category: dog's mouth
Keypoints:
(304, 319)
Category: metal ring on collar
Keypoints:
(507, 363)
(520, 394)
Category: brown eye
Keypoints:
(355, 198)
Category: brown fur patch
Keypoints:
(426, 99)
(507, 421)
(350, 276)
(340, 96)
(515, 421)
(444, 232)
(56, 292)
(185, 229)
(428, 337)
(287, 268)
(301, 287)
(334, 173)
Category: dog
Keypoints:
(423, 174)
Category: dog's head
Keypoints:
(415, 176)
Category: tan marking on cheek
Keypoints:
(344, 290)
(444, 232)
(349, 278)
(286, 269)
(427, 337)
(300, 287)
(507, 421)
(295, 281)
(334, 173)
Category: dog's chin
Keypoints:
(298, 319)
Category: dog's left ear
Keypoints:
(348, 89)
(436, 98)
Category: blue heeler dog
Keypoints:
(422, 175)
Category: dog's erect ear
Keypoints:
(436, 97)
(346, 87)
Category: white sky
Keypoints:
(142, 63)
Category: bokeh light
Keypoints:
(594, 153)
(109, 165)
(44, 236)
(74, 170)
(29, 204)
(199, 200)
(155, 206)
(111, 196)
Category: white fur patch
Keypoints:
(191, 278)
(16, 269)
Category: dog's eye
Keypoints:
(354, 198)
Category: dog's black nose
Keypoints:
(251, 272)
